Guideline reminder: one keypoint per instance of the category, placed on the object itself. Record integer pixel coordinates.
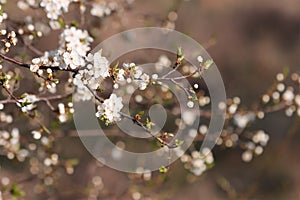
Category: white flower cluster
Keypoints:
(242, 120)
(3, 15)
(261, 138)
(50, 58)
(97, 69)
(198, 162)
(5, 118)
(74, 45)
(110, 108)
(54, 8)
(162, 62)
(9, 38)
(256, 146)
(101, 9)
(11, 143)
(141, 79)
(288, 96)
(27, 102)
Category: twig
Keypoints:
(100, 99)
(177, 78)
(50, 98)
(170, 146)
(55, 68)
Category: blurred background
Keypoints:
(250, 41)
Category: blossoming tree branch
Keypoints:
(42, 80)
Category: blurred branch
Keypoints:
(226, 186)
(273, 160)
(45, 99)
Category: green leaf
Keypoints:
(116, 66)
(170, 134)
(74, 23)
(286, 71)
(179, 52)
(160, 141)
(178, 142)
(149, 124)
(46, 129)
(207, 64)
(16, 191)
(3, 79)
(73, 161)
(56, 81)
(141, 113)
(61, 22)
(163, 169)
(180, 56)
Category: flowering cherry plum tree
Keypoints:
(72, 69)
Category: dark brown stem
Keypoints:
(170, 146)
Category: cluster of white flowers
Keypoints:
(102, 8)
(50, 58)
(9, 38)
(5, 118)
(54, 8)
(171, 20)
(201, 160)
(256, 146)
(242, 120)
(74, 45)
(73, 59)
(110, 108)
(11, 143)
(97, 69)
(99, 66)
(288, 96)
(198, 162)
(162, 62)
(76, 39)
(27, 102)
(141, 79)
(260, 137)
(3, 15)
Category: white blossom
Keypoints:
(73, 59)
(110, 109)
(34, 68)
(261, 138)
(141, 79)
(27, 102)
(76, 39)
(54, 8)
(241, 120)
(101, 66)
(288, 96)
(101, 9)
(121, 75)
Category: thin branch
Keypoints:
(183, 88)
(100, 99)
(55, 68)
(170, 146)
(177, 78)
(39, 99)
